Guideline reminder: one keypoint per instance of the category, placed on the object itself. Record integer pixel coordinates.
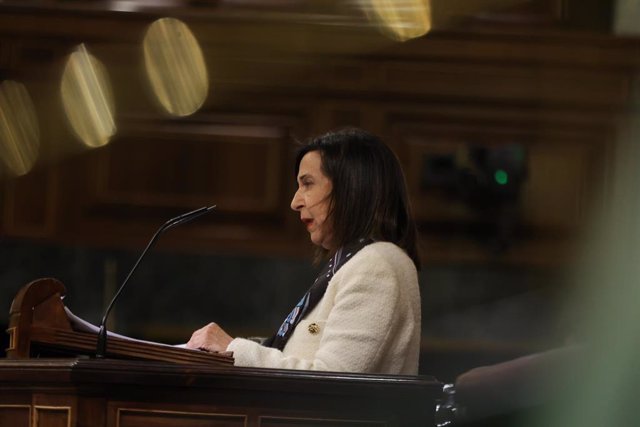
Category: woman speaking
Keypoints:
(362, 313)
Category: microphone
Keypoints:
(101, 347)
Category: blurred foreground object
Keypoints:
(175, 66)
(507, 393)
(627, 18)
(19, 131)
(606, 303)
(88, 99)
(595, 384)
(407, 19)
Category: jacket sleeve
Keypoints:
(356, 330)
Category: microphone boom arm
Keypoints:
(101, 347)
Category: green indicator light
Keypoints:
(501, 177)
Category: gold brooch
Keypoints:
(314, 328)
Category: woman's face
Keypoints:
(312, 199)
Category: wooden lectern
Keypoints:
(146, 384)
(39, 326)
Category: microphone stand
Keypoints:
(101, 347)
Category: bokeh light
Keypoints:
(400, 19)
(501, 177)
(19, 130)
(175, 67)
(88, 99)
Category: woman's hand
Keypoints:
(210, 338)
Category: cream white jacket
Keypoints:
(367, 321)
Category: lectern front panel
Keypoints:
(15, 415)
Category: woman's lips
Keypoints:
(307, 222)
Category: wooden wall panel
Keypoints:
(31, 203)
(555, 194)
(152, 171)
(532, 84)
(127, 417)
(51, 416)
(561, 182)
(276, 79)
(5, 58)
(310, 422)
(55, 410)
(15, 415)
(240, 173)
(431, 207)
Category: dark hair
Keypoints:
(369, 196)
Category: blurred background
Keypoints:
(118, 115)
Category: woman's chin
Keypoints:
(320, 241)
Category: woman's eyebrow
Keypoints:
(303, 177)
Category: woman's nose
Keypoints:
(296, 202)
